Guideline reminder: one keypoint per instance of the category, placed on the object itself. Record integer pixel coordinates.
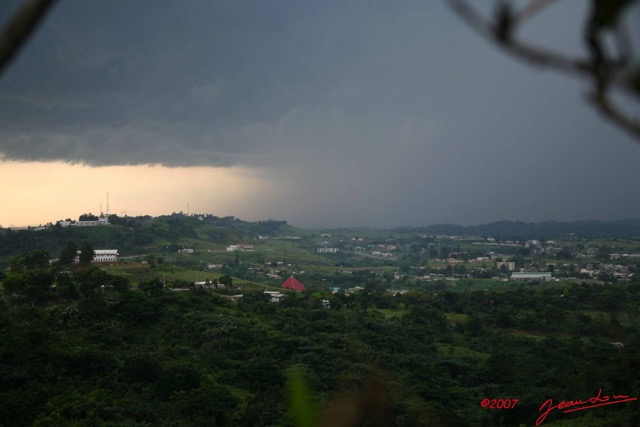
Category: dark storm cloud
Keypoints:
(195, 76)
(379, 113)
(202, 83)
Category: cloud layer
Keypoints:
(374, 113)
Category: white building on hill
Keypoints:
(240, 247)
(531, 277)
(275, 296)
(101, 221)
(105, 255)
(102, 255)
(509, 265)
(326, 250)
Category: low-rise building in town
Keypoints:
(526, 277)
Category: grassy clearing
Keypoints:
(624, 244)
(457, 317)
(459, 352)
(391, 313)
(538, 336)
(490, 284)
(625, 319)
(478, 285)
(137, 273)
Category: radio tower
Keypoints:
(107, 204)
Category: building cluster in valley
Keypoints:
(432, 258)
(399, 260)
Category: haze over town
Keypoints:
(323, 114)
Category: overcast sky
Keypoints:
(320, 113)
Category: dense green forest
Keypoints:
(396, 328)
(81, 348)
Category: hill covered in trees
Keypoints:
(397, 328)
(139, 235)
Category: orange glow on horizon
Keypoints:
(37, 193)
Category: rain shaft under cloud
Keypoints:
(357, 113)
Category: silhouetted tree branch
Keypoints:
(20, 26)
(606, 71)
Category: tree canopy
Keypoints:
(86, 253)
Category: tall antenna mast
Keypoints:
(107, 203)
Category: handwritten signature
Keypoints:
(579, 405)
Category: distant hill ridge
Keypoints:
(587, 228)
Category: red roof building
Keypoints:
(293, 284)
